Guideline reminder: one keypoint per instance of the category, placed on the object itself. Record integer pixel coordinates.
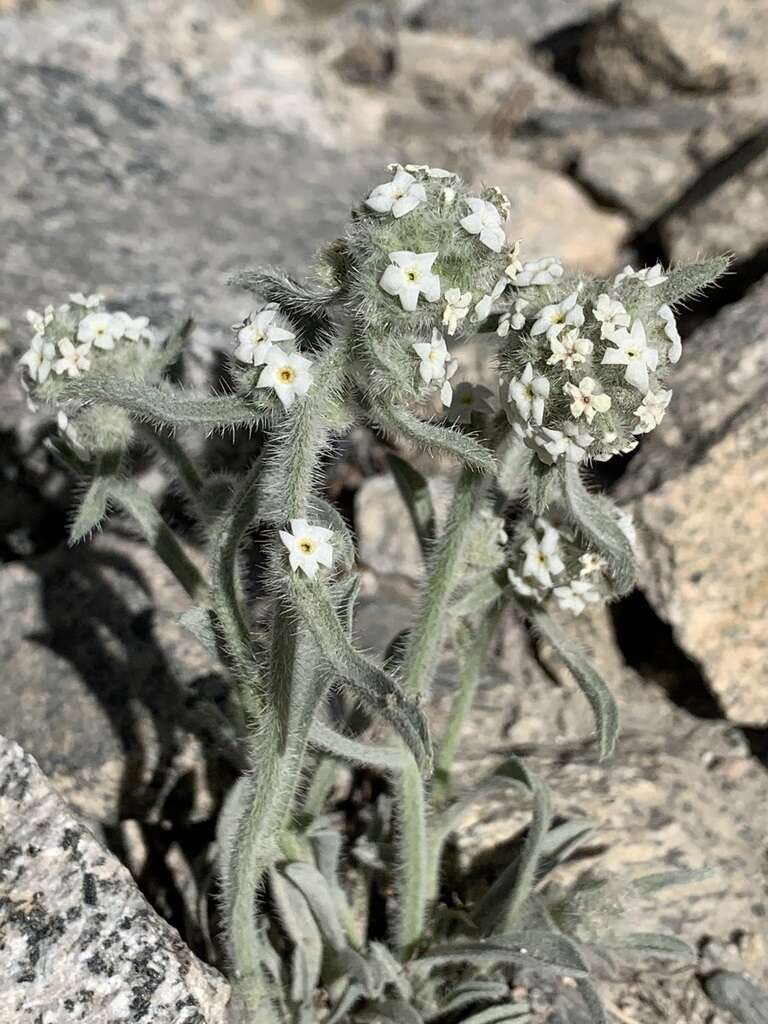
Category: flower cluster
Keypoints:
(585, 361)
(263, 341)
(69, 339)
(549, 560)
(427, 259)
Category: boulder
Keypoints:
(552, 216)
(530, 20)
(699, 492)
(641, 49)
(123, 709)
(731, 216)
(79, 942)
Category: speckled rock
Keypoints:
(552, 215)
(699, 491)
(151, 176)
(642, 180)
(645, 48)
(78, 942)
(530, 20)
(732, 217)
(121, 706)
(387, 541)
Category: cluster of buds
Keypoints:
(549, 560)
(584, 362)
(426, 259)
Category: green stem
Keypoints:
(413, 858)
(475, 656)
(174, 453)
(158, 535)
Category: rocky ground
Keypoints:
(152, 148)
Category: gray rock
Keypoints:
(121, 706)
(703, 474)
(79, 942)
(530, 20)
(641, 180)
(732, 217)
(154, 192)
(641, 49)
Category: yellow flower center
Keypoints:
(286, 375)
(412, 275)
(306, 546)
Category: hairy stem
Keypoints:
(475, 656)
(158, 535)
(412, 855)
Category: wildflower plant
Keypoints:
(583, 366)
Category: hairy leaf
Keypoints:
(306, 308)
(593, 517)
(593, 687)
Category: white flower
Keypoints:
(446, 390)
(86, 301)
(651, 410)
(610, 313)
(577, 441)
(433, 355)
(529, 395)
(447, 197)
(515, 266)
(469, 399)
(484, 306)
(257, 335)
(485, 221)
(132, 327)
(431, 172)
(575, 597)
(650, 276)
(591, 563)
(586, 401)
(517, 319)
(457, 305)
(633, 351)
(551, 320)
(308, 546)
(671, 331)
(74, 359)
(39, 321)
(572, 442)
(399, 196)
(99, 329)
(520, 585)
(542, 560)
(410, 275)
(569, 349)
(39, 358)
(546, 270)
(287, 373)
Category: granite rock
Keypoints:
(553, 216)
(79, 942)
(122, 707)
(704, 475)
(640, 49)
(529, 20)
(731, 216)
